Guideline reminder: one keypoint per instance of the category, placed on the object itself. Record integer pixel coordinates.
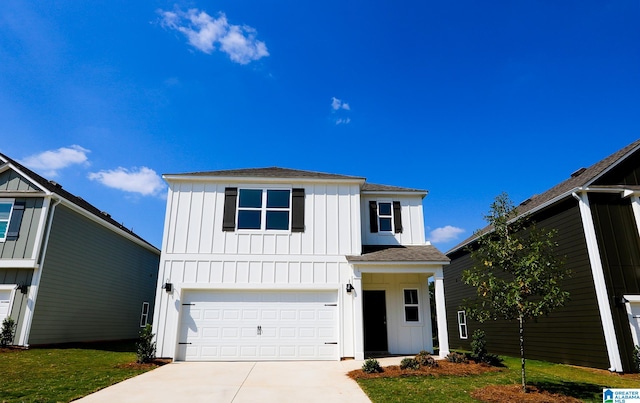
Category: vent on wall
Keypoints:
(578, 172)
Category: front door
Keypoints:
(375, 321)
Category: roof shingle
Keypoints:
(399, 253)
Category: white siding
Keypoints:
(412, 222)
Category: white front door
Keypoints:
(634, 321)
(258, 325)
(6, 295)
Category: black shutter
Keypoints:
(16, 220)
(397, 217)
(373, 215)
(229, 214)
(297, 210)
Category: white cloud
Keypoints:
(141, 180)
(338, 104)
(205, 32)
(50, 162)
(445, 234)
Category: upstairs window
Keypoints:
(6, 206)
(267, 209)
(385, 216)
(411, 306)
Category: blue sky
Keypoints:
(466, 99)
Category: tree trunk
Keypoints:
(524, 376)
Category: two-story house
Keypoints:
(282, 264)
(68, 271)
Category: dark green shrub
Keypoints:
(426, 360)
(636, 358)
(457, 358)
(409, 363)
(146, 347)
(7, 332)
(371, 366)
(479, 346)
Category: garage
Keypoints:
(258, 325)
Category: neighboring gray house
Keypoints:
(68, 271)
(597, 214)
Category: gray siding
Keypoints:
(18, 277)
(22, 247)
(572, 334)
(93, 283)
(12, 182)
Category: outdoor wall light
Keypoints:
(168, 287)
(349, 287)
(23, 288)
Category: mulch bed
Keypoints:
(156, 362)
(443, 368)
(513, 393)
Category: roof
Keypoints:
(399, 253)
(269, 172)
(581, 178)
(56, 188)
(278, 172)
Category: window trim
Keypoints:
(405, 305)
(463, 325)
(8, 220)
(144, 316)
(264, 209)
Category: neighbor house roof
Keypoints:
(284, 173)
(399, 253)
(57, 189)
(581, 178)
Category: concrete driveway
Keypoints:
(239, 382)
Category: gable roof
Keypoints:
(581, 178)
(56, 188)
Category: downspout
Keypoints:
(597, 271)
(35, 281)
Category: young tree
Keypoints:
(517, 273)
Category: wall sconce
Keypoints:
(620, 300)
(23, 288)
(168, 287)
(349, 287)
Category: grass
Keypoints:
(582, 383)
(67, 373)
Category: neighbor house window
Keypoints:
(462, 324)
(268, 209)
(144, 317)
(6, 205)
(411, 307)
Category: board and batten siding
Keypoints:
(412, 222)
(194, 223)
(572, 334)
(93, 283)
(11, 181)
(22, 247)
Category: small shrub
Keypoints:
(426, 360)
(371, 366)
(146, 347)
(636, 358)
(479, 346)
(409, 363)
(7, 332)
(457, 358)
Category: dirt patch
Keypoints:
(10, 349)
(156, 362)
(513, 393)
(443, 368)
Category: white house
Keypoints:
(282, 264)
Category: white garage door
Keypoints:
(251, 326)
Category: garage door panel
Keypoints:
(244, 325)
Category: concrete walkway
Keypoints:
(242, 382)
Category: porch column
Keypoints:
(441, 314)
(358, 320)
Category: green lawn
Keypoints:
(582, 383)
(64, 374)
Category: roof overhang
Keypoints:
(171, 178)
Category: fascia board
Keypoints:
(257, 179)
(391, 192)
(104, 223)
